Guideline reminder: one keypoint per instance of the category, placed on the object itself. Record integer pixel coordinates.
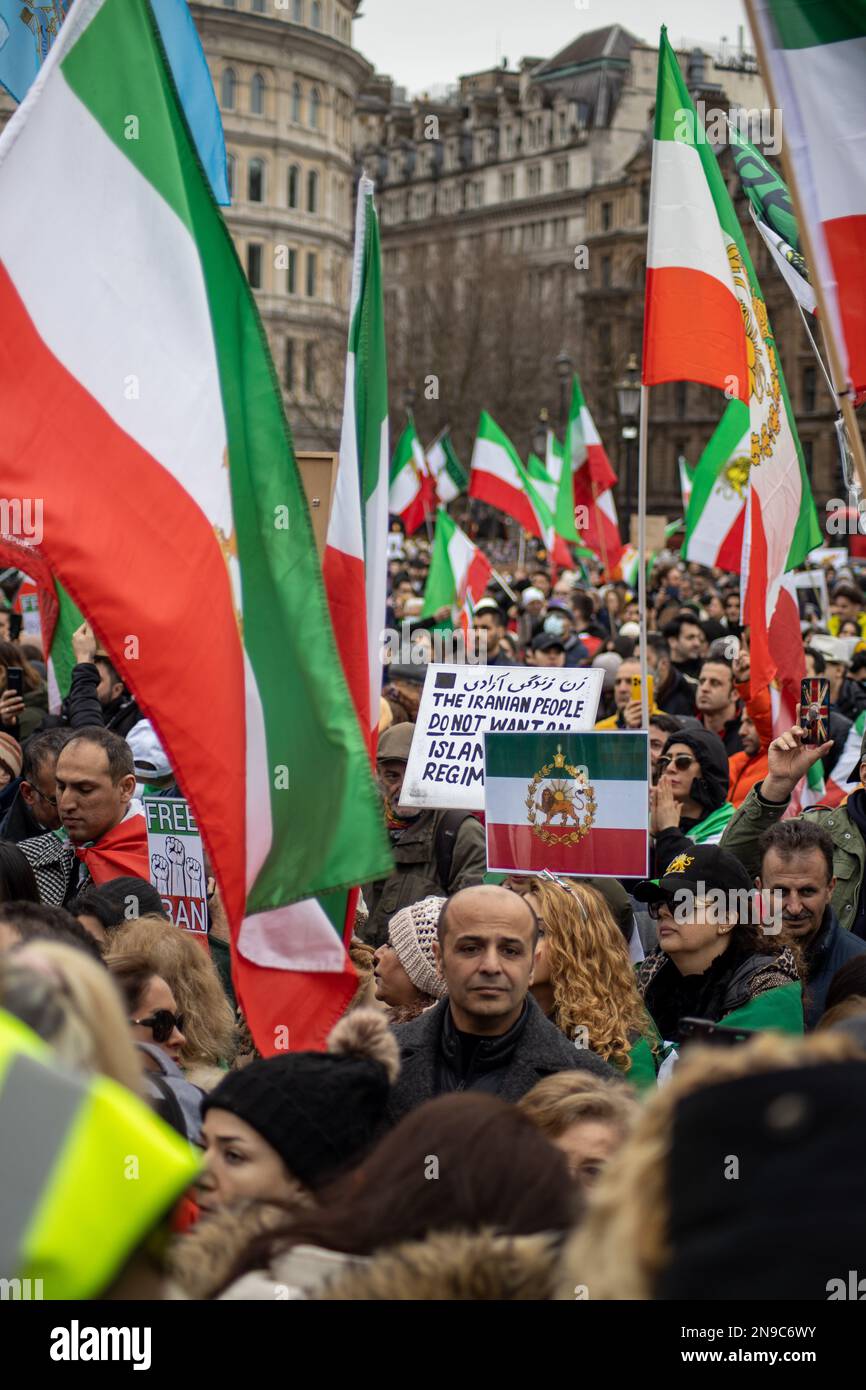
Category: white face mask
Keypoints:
(556, 625)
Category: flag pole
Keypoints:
(836, 357)
(494, 574)
(641, 551)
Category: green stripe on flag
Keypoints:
(310, 721)
(810, 23)
(611, 757)
(729, 431)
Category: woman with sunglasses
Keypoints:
(690, 803)
(150, 1004)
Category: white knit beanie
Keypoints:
(412, 932)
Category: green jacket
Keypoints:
(416, 873)
(849, 850)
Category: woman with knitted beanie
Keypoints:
(404, 968)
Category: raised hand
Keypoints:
(788, 761)
(665, 812)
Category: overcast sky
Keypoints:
(425, 43)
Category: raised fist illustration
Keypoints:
(177, 878)
(195, 887)
(159, 867)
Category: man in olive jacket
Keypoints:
(788, 760)
(435, 852)
(488, 1034)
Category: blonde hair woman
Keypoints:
(208, 1021)
(626, 1245)
(584, 1116)
(583, 979)
(71, 1002)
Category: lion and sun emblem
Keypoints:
(560, 802)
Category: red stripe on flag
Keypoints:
(477, 576)
(136, 554)
(693, 331)
(487, 487)
(846, 245)
(731, 549)
(347, 601)
(622, 853)
(306, 1002)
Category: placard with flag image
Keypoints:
(571, 803)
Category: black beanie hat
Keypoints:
(320, 1111)
(766, 1188)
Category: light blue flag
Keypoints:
(29, 27)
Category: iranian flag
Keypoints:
(411, 491)
(815, 54)
(593, 479)
(445, 469)
(706, 321)
(499, 478)
(459, 572)
(139, 400)
(571, 803)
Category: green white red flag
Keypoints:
(571, 803)
(138, 397)
(411, 490)
(816, 59)
(499, 478)
(706, 321)
(446, 470)
(459, 572)
(593, 480)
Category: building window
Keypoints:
(289, 365)
(298, 11)
(254, 266)
(257, 94)
(606, 216)
(605, 272)
(228, 89)
(808, 456)
(231, 171)
(810, 384)
(560, 173)
(258, 6)
(256, 181)
(315, 102)
(230, 4)
(312, 270)
(644, 203)
(533, 177)
(680, 399)
(292, 272)
(309, 368)
(296, 101)
(605, 347)
(506, 186)
(294, 183)
(317, 14)
(312, 191)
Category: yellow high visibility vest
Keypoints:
(87, 1171)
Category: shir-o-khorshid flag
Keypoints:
(571, 803)
(445, 469)
(411, 491)
(138, 397)
(459, 572)
(816, 59)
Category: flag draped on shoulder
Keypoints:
(499, 478)
(411, 491)
(179, 492)
(706, 321)
(816, 56)
(593, 481)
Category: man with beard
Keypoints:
(797, 871)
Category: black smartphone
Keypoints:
(15, 623)
(704, 1030)
(15, 679)
(814, 710)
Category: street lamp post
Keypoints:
(628, 405)
(564, 367)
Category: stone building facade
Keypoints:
(531, 185)
(287, 78)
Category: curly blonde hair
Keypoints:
(187, 968)
(557, 1102)
(591, 975)
(621, 1250)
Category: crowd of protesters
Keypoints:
(541, 1079)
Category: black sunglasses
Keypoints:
(680, 762)
(162, 1023)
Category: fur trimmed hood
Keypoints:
(199, 1263)
(458, 1267)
